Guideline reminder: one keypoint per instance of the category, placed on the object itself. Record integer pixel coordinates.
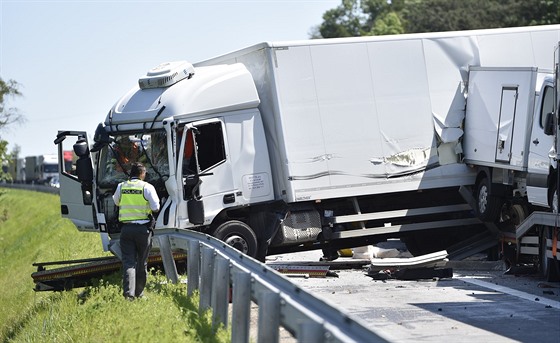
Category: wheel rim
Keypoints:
(483, 199)
(517, 214)
(238, 243)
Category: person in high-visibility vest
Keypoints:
(137, 200)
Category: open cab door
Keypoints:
(76, 179)
(554, 200)
(557, 99)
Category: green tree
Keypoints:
(4, 162)
(452, 15)
(8, 116)
(388, 24)
(539, 12)
(345, 20)
(379, 17)
(361, 18)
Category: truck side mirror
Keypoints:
(195, 208)
(101, 138)
(190, 187)
(549, 124)
(84, 169)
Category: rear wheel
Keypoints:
(513, 215)
(517, 214)
(239, 235)
(487, 205)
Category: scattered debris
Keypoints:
(429, 266)
(301, 270)
(434, 260)
(412, 274)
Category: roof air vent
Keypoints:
(166, 74)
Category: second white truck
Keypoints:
(302, 145)
(510, 139)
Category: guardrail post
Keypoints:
(207, 268)
(269, 318)
(193, 266)
(241, 302)
(167, 259)
(220, 288)
(311, 332)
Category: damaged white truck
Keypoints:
(286, 146)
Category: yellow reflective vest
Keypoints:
(133, 205)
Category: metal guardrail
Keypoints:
(31, 187)
(213, 267)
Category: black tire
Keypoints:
(517, 214)
(487, 205)
(549, 267)
(239, 235)
(512, 215)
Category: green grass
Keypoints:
(31, 230)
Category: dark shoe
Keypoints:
(329, 258)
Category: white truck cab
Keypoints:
(201, 140)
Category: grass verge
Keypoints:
(31, 230)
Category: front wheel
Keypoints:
(239, 235)
(487, 205)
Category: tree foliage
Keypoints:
(8, 116)
(380, 17)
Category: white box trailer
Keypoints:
(313, 139)
(31, 169)
(346, 117)
(499, 117)
(41, 168)
(17, 170)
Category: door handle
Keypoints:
(229, 198)
(536, 141)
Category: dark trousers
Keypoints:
(136, 242)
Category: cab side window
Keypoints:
(547, 104)
(210, 146)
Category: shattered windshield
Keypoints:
(148, 148)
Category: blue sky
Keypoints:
(74, 59)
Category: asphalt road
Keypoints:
(476, 305)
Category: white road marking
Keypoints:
(510, 291)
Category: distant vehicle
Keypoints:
(54, 182)
(16, 169)
(40, 169)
